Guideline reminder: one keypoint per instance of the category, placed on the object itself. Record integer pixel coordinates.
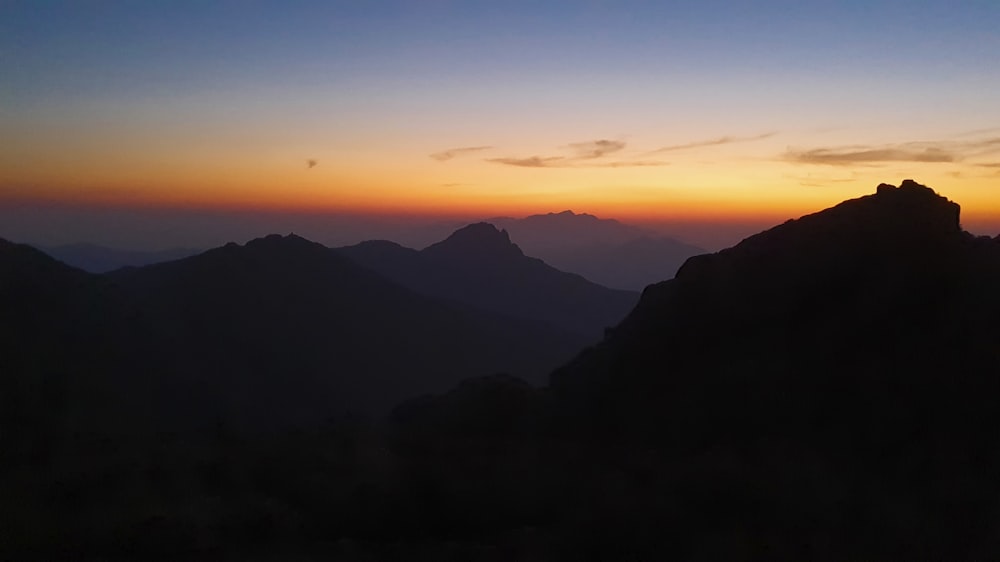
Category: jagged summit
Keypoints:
(277, 240)
(906, 224)
(569, 213)
(480, 238)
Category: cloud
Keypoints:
(921, 151)
(446, 155)
(586, 154)
(847, 156)
(561, 162)
(822, 179)
(627, 164)
(714, 142)
(532, 161)
(596, 149)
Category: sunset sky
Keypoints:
(643, 111)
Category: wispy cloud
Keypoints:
(628, 164)
(596, 149)
(714, 142)
(588, 154)
(822, 179)
(922, 151)
(846, 156)
(446, 155)
(532, 161)
(560, 162)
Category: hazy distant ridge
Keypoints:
(604, 251)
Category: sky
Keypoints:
(155, 123)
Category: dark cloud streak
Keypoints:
(844, 157)
(585, 155)
(714, 142)
(532, 161)
(922, 151)
(446, 155)
(596, 149)
(560, 162)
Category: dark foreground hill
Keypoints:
(824, 390)
(479, 265)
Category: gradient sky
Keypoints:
(644, 111)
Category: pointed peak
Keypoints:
(480, 230)
(477, 238)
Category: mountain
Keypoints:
(824, 389)
(70, 349)
(283, 328)
(604, 251)
(100, 259)
(480, 266)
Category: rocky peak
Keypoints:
(479, 239)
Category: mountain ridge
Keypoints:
(479, 265)
(605, 251)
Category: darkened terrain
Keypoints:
(823, 390)
(478, 265)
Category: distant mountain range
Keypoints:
(604, 251)
(825, 389)
(480, 266)
(281, 330)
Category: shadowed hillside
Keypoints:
(285, 323)
(823, 390)
(479, 265)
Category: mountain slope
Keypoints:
(284, 329)
(479, 265)
(70, 348)
(100, 259)
(824, 390)
(605, 251)
(827, 384)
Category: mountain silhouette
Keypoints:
(480, 266)
(101, 259)
(284, 328)
(604, 251)
(824, 389)
(69, 345)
